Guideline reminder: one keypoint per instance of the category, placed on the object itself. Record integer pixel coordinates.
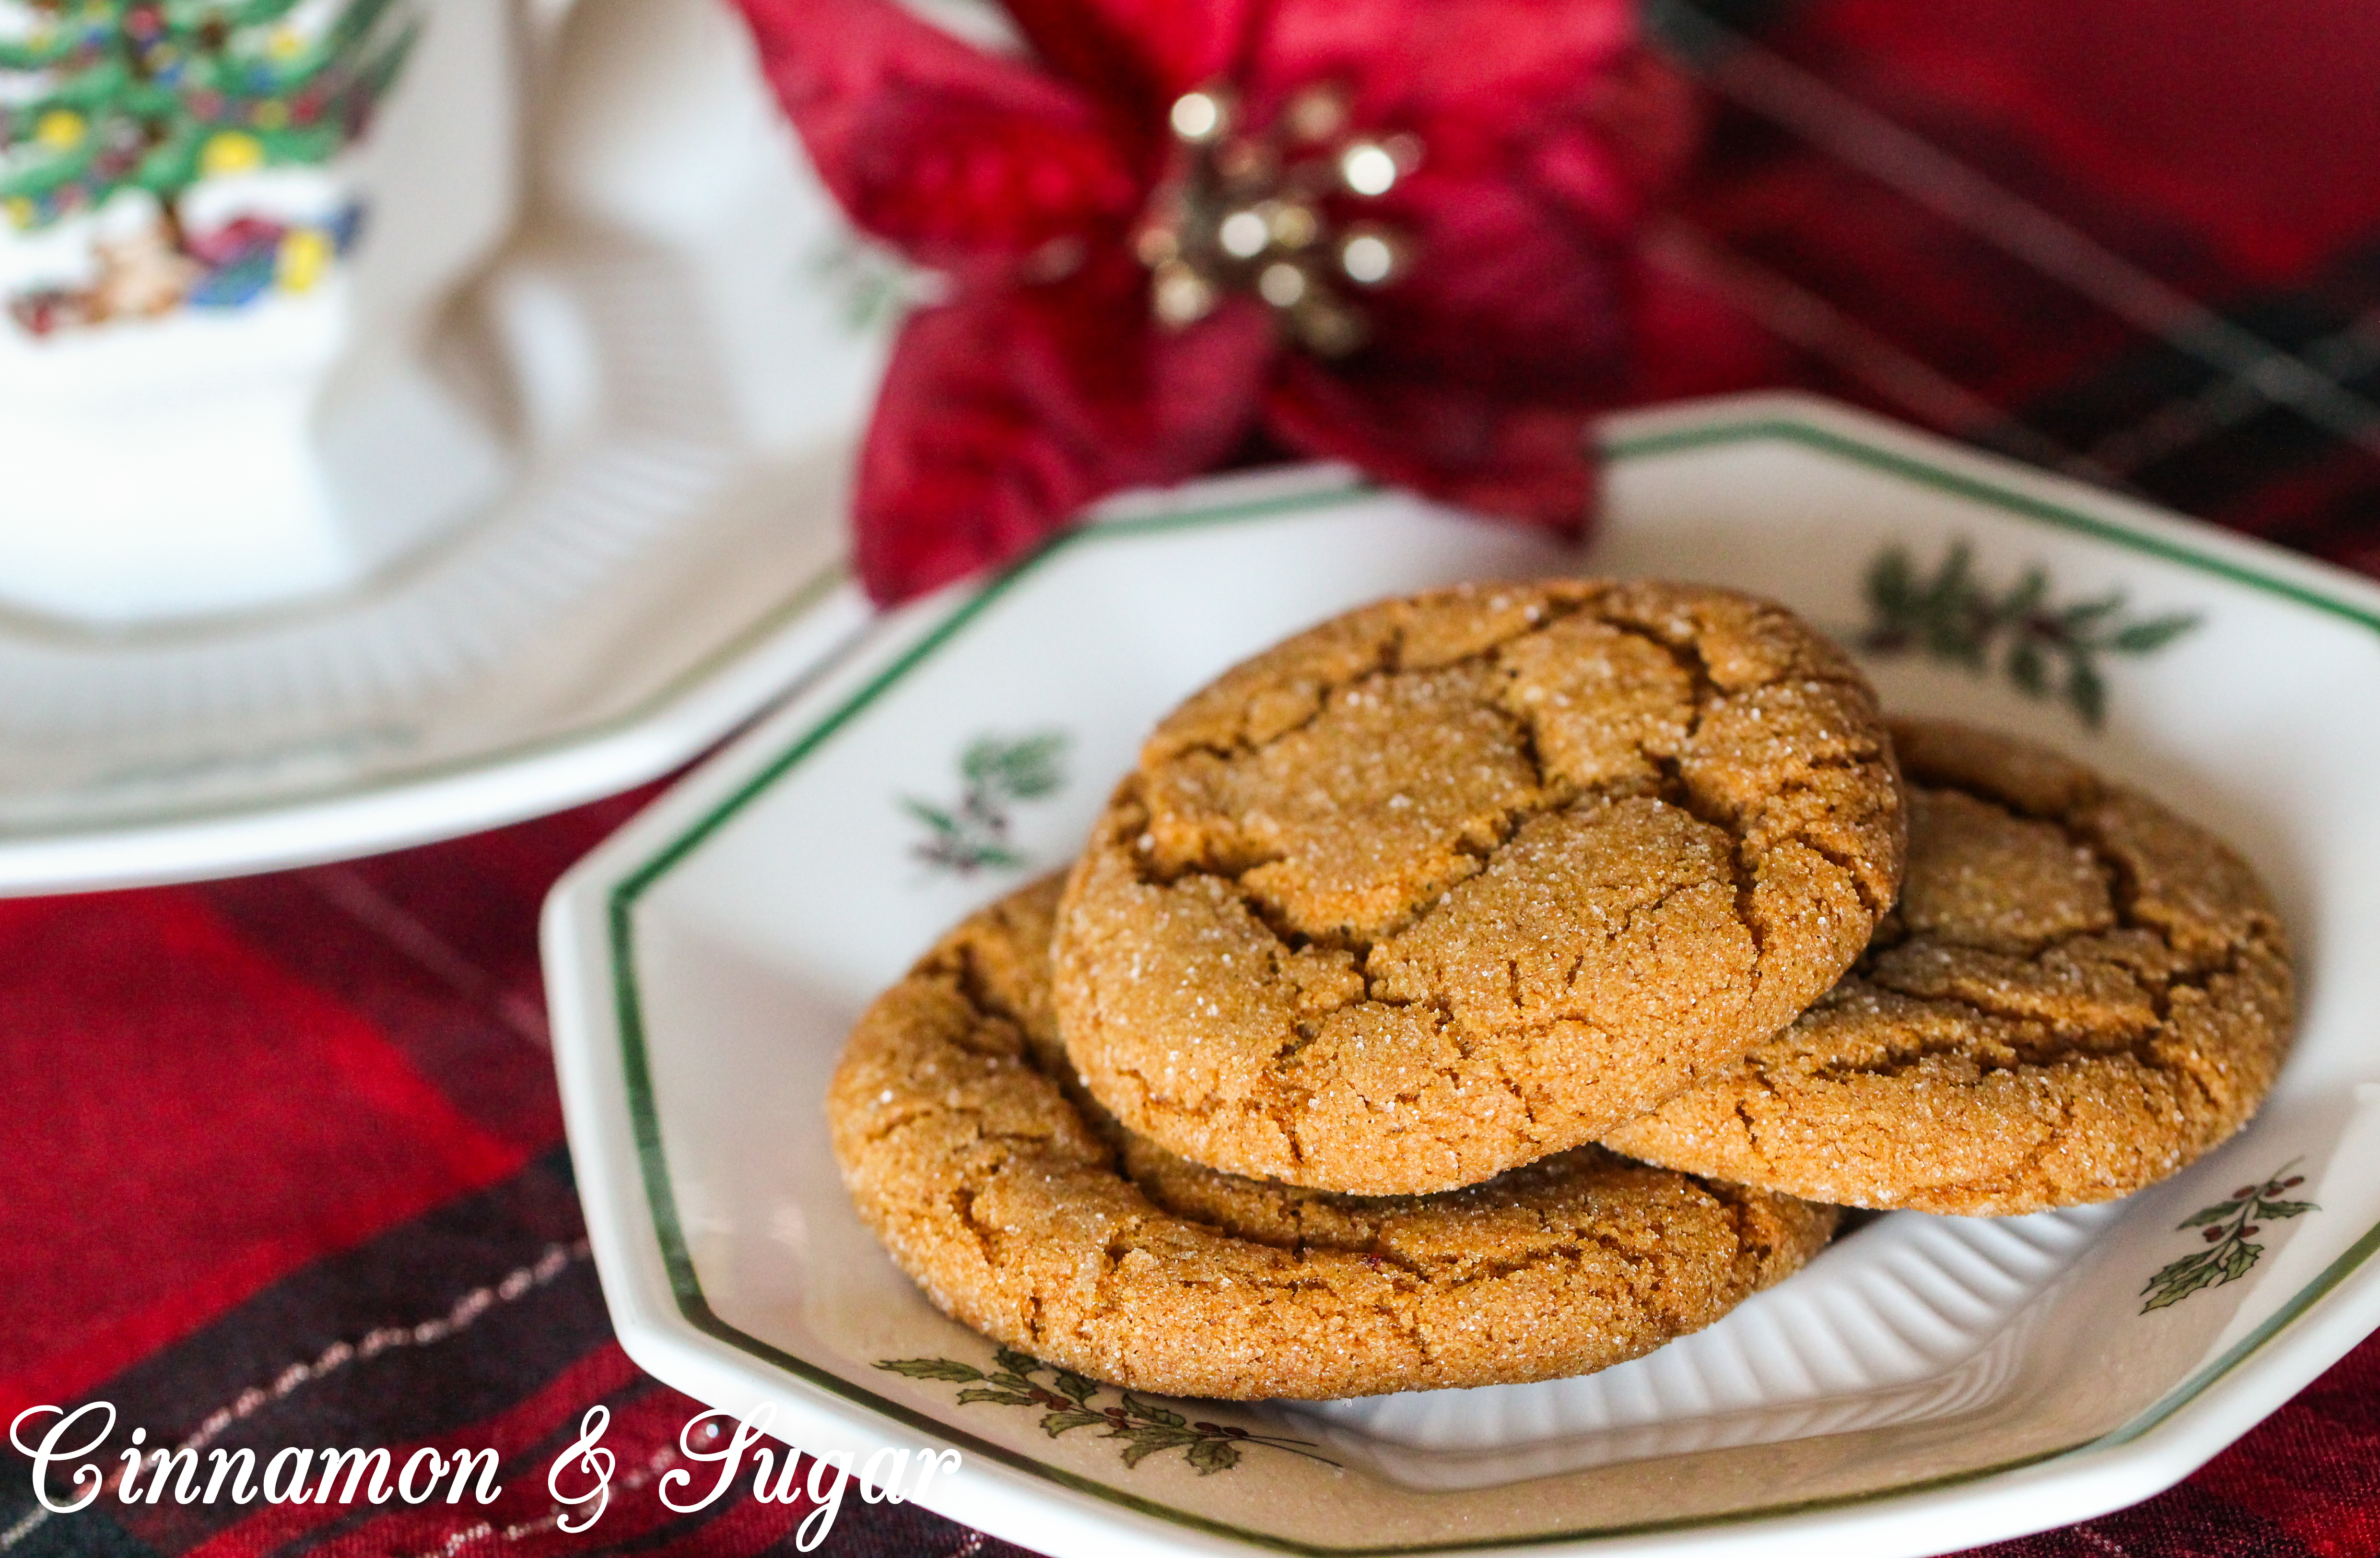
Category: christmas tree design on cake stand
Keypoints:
(107, 101)
(212, 396)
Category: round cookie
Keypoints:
(1025, 1212)
(1454, 881)
(2079, 993)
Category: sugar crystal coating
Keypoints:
(1026, 1212)
(2079, 993)
(1452, 882)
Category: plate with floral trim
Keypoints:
(1926, 1384)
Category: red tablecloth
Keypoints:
(284, 1162)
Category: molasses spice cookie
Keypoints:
(1452, 882)
(2079, 993)
(1024, 1211)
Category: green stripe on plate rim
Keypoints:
(789, 608)
(686, 1287)
(1898, 463)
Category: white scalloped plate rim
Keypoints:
(630, 494)
(2262, 1356)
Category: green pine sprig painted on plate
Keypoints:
(1070, 1401)
(2045, 647)
(875, 285)
(2230, 1227)
(995, 774)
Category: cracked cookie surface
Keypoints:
(2079, 993)
(1024, 1211)
(1452, 882)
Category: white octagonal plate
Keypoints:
(1928, 1384)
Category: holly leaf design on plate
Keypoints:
(1135, 1407)
(2219, 1212)
(995, 774)
(933, 816)
(2229, 1226)
(2179, 1280)
(1002, 1398)
(1056, 1423)
(1143, 1428)
(931, 1369)
(1025, 769)
(1210, 1455)
(2146, 637)
(2046, 649)
(1146, 1440)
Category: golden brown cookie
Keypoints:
(1025, 1212)
(2079, 993)
(1451, 883)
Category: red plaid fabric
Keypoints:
(284, 1163)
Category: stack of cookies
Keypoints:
(1495, 984)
